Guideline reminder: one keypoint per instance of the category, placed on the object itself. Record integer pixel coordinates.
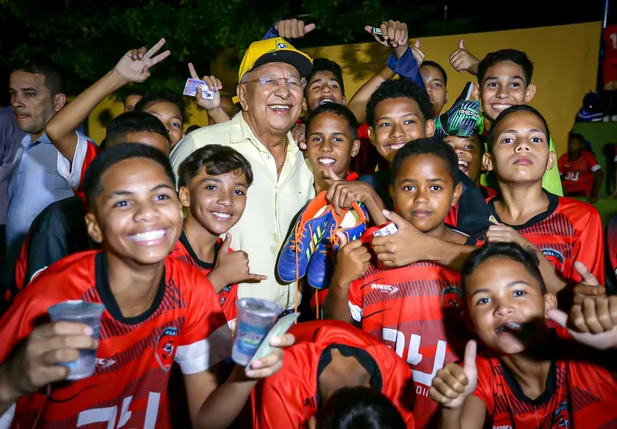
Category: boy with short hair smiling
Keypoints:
(157, 311)
(504, 77)
(398, 112)
(332, 142)
(530, 376)
(213, 182)
(414, 308)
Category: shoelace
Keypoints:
(298, 236)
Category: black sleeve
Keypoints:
(473, 213)
(610, 255)
(59, 231)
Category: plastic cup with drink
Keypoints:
(255, 319)
(87, 313)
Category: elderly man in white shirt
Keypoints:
(270, 91)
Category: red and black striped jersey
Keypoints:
(291, 396)
(579, 393)
(184, 324)
(568, 231)
(183, 251)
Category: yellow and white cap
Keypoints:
(274, 50)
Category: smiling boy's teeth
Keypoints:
(326, 161)
(279, 106)
(327, 100)
(512, 326)
(223, 215)
(397, 146)
(148, 236)
(463, 163)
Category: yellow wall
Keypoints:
(110, 109)
(565, 59)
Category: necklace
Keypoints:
(278, 170)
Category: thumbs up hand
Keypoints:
(462, 60)
(453, 383)
(417, 53)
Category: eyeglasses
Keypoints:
(273, 82)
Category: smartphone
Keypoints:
(280, 328)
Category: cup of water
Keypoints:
(255, 319)
(87, 313)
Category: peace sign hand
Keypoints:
(135, 65)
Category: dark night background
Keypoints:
(86, 37)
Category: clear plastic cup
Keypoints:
(87, 313)
(255, 318)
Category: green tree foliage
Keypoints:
(86, 37)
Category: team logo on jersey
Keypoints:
(493, 219)
(554, 257)
(105, 363)
(452, 297)
(561, 415)
(166, 347)
(281, 46)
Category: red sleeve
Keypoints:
(355, 300)
(206, 338)
(17, 324)
(275, 410)
(30, 306)
(452, 217)
(22, 265)
(589, 249)
(591, 161)
(91, 153)
(363, 131)
(286, 399)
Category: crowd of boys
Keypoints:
(443, 280)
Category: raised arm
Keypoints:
(134, 66)
(220, 408)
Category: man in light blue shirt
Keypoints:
(35, 88)
(10, 138)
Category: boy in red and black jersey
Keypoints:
(213, 182)
(158, 311)
(531, 375)
(581, 174)
(332, 143)
(415, 309)
(327, 356)
(564, 230)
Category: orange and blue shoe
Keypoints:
(352, 224)
(304, 239)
